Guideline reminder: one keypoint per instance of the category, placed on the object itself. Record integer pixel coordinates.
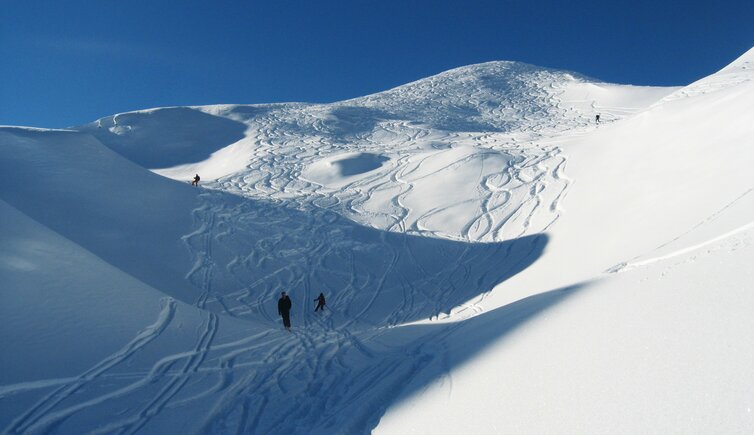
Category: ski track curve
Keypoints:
(333, 371)
(38, 413)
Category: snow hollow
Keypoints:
(503, 248)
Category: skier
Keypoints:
(196, 180)
(284, 310)
(320, 302)
(597, 118)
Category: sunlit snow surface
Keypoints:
(494, 260)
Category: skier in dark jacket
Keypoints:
(196, 180)
(320, 302)
(284, 309)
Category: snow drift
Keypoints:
(494, 260)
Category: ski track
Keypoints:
(521, 198)
(506, 210)
(38, 412)
(648, 258)
(333, 371)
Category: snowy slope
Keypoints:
(81, 337)
(494, 261)
(409, 142)
(657, 234)
(131, 218)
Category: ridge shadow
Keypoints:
(368, 275)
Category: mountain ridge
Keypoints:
(497, 265)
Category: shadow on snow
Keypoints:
(164, 138)
(368, 275)
(346, 385)
(340, 369)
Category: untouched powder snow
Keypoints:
(494, 260)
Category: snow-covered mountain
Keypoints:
(494, 260)
(400, 160)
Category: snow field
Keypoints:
(494, 261)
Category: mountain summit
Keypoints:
(495, 258)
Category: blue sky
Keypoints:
(65, 63)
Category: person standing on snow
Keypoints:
(196, 180)
(597, 118)
(284, 310)
(320, 302)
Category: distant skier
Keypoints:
(320, 302)
(284, 310)
(597, 118)
(196, 180)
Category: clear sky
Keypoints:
(65, 63)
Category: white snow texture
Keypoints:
(494, 258)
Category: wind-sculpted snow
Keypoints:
(190, 370)
(127, 216)
(148, 139)
(379, 202)
(465, 228)
(237, 255)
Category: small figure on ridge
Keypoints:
(320, 302)
(196, 180)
